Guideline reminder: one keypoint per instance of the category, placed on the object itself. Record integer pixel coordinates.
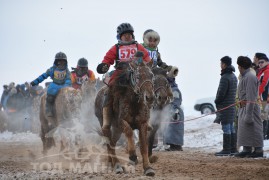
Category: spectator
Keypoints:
(263, 77)
(174, 132)
(249, 115)
(226, 97)
(4, 97)
(255, 63)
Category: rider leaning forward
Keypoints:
(60, 75)
(81, 73)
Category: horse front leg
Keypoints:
(128, 131)
(151, 138)
(148, 171)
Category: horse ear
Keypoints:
(150, 63)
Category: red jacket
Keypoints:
(111, 55)
(263, 77)
(74, 78)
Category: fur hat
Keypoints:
(226, 60)
(150, 34)
(244, 62)
(173, 72)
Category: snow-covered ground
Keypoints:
(200, 133)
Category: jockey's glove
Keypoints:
(102, 68)
(33, 83)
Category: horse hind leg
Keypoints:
(128, 131)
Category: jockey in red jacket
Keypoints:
(124, 50)
(81, 74)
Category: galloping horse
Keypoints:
(132, 102)
(66, 109)
(163, 96)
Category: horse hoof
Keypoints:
(133, 162)
(149, 172)
(118, 169)
(153, 159)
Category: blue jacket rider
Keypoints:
(60, 75)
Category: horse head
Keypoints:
(142, 80)
(162, 88)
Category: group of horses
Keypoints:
(145, 90)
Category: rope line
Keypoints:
(234, 104)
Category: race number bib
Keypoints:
(127, 52)
(59, 75)
(81, 80)
(153, 55)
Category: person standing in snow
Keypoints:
(4, 97)
(174, 132)
(225, 97)
(249, 116)
(151, 40)
(263, 77)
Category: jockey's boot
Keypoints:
(226, 151)
(234, 144)
(49, 105)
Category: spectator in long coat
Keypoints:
(174, 132)
(250, 129)
(224, 101)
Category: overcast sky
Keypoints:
(195, 34)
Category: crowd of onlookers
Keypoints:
(20, 107)
(245, 97)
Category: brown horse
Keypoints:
(163, 96)
(132, 101)
(66, 109)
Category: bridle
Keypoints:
(134, 79)
(164, 87)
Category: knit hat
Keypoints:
(173, 72)
(244, 62)
(226, 60)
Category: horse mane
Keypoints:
(121, 80)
